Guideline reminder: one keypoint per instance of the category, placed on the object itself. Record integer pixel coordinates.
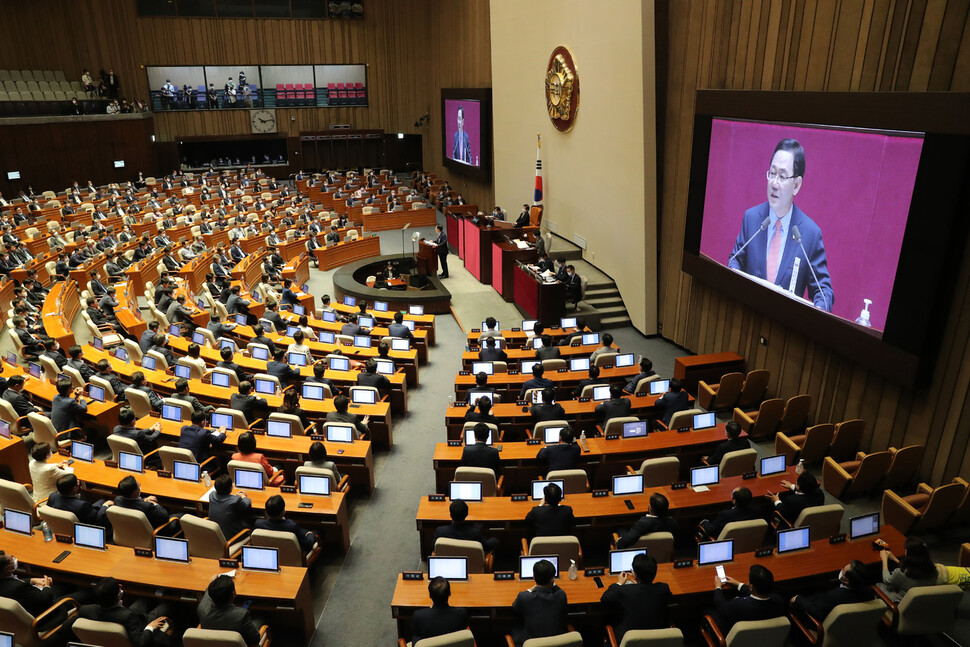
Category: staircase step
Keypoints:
(614, 322)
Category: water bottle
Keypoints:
(44, 528)
(582, 439)
(206, 479)
(573, 571)
(451, 401)
(800, 467)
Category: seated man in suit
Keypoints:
(272, 314)
(15, 396)
(147, 339)
(742, 510)
(31, 344)
(147, 439)
(341, 403)
(646, 370)
(481, 384)
(35, 595)
(68, 498)
(217, 612)
(246, 402)
(129, 496)
(138, 383)
(657, 519)
(370, 377)
(217, 328)
(537, 381)
(854, 586)
(319, 370)
(160, 345)
(606, 347)
(278, 368)
(561, 456)
(548, 409)
(542, 607)
(480, 454)
(67, 407)
(261, 338)
(226, 362)
(145, 627)
(803, 493)
(548, 350)
(76, 353)
(491, 329)
(460, 529)
(490, 352)
(574, 285)
(200, 440)
(351, 328)
(737, 602)
(480, 411)
(733, 443)
(593, 379)
(178, 313)
(182, 393)
(550, 519)
(616, 407)
(439, 618)
(674, 400)
(641, 605)
(398, 329)
(230, 511)
(276, 520)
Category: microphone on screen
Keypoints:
(797, 237)
(763, 227)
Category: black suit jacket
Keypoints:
(729, 445)
(465, 532)
(724, 517)
(21, 405)
(35, 601)
(644, 526)
(550, 520)
(305, 537)
(543, 412)
(543, 612)
(613, 409)
(231, 512)
(437, 621)
(157, 515)
(474, 415)
(248, 404)
(821, 604)
(637, 606)
(552, 352)
(493, 355)
(199, 441)
(66, 412)
(283, 372)
(227, 617)
(743, 607)
(578, 391)
(560, 457)
(791, 503)
(481, 455)
(133, 621)
(84, 511)
(670, 403)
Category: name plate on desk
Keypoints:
(747, 476)
(461, 404)
(164, 474)
(612, 436)
(516, 330)
(412, 576)
(319, 437)
(682, 485)
(454, 443)
(534, 441)
(594, 572)
(837, 539)
(464, 372)
(258, 432)
(764, 552)
(513, 373)
(681, 430)
(519, 497)
(64, 539)
(288, 489)
(504, 575)
(476, 330)
(562, 370)
(683, 563)
(584, 399)
(598, 494)
(641, 394)
(229, 563)
(436, 497)
(522, 403)
(143, 552)
(154, 414)
(64, 452)
(111, 464)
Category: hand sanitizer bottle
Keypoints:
(863, 319)
(573, 571)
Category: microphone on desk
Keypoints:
(797, 237)
(763, 227)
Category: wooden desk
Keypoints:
(518, 354)
(423, 322)
(13, 457)
(508, 385)
(385, 221)
(61, 307)
(284, 595)
(691, 369)
(504, 257)
(476, 245)
(342, 253)
(540, 300)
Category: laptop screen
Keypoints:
(175, 330)
(241, 320)
(536, 343)
(131, 462)
(89, 536)
(628, 484)
(6, 639)
(122, 354)
(470, 437)
(249, 479)
(792, 539)
(621, 561)
(16, 521)
(340, 434)
(568, 322)
(4, 429)
(361, 341)
(579, 364)
(407, 323)
(636, 429)
(704, 420)
(591, 338)
(297, 359)
(863, 526)
(267, 387)
(174, 550)
(313, 391)
(380, 306)
(183, 371)
(498, 326)
(299, 310)
(415, 310)
(221, 379)
(227, 343)
(773, 465)
(526, 365)
(171, 412)
(200, 303)
(538, 487)
(314, 484)
(34, 369)
(98, 343)
(339, 364)
(528, 325)
(601, 392)
(473, 396)
(385, 367)
(96, 392)
(260, 352)
(397, 343)
(221, 420)
(259, 558)
(703, 476)
(291, 330)
(12, 359)
(623, 360)
(184, 471)
(465, 490)
(278, 429)
(551, 435)
(326, 337)
(659, 387)
(365, 322)
(350, 301)
(450, 568)
(363, 396)
(526, 564)
(148, 362)
(482, 367)
(82, 451)
(715, 552)
(198, 338)
(329, 317)
(268, 326)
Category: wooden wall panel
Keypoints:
(827, 45)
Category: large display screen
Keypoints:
(817, 213)
(466, 131)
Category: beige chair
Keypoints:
(181, 404)
(659, 545)
(682, 419)
(539, 429)
(170, 454)
(50, 368)
(139, 402)
(342, 486)
(961, 516)
(131, 528)
(44, 431)
(471, 425)
(671, 637)
(754, 389)
(750, 633)
(106, 634)
(615, 425)
(207, 540)
(854, 478)
(231, 375)
(249, 467)
(658, 472)
(846, 624)
(238, 418)
(61, 522)
(374, 389)
(554, 364)
(570, 639)
(565, 546)
(26, 629)
(296, 426)
(15, 496)
(134, 351)
(161, 364)
(903, 468)
(574, 481)
(605, 358)
(18, 424)
(109, 392)
(195, 372)
(196, 637)
(763, 422)
(484, 475)
(737, 462)
(271, 378)
(924, 610)
(463, 638)
(723, 395)
(119, 444)
(641, 386)
(77, 381)
(748, 536)
(848, 435)
(478, 561)
(928, 509)
(822, 520)
(290, 553)
(810, 446)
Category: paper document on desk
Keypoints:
(521, 244)
(548, 274)
(205, 497)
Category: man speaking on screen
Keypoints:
(778, 242)
(462, 149)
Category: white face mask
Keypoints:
(16, 563)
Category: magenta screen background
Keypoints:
(857, 188)
(473, 126)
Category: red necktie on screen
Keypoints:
(774, 252)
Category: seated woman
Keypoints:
(304, 326)
(194, 357)
(291, 406)
(319, 459)
(44, 475)
(916, 568)
(247, 452)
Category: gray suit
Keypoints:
(231, 512)
(227, 618)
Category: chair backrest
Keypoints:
(138, 401)
(318, 471)
(290, 553)
(683, 418)
(641, 386)
(754, 388)
(471, 425)
(615, 425)
(759, 633)
(570, 639)
(857, 623)
(769, 415)
(658, 472)
(728, 391)
(848, 435)
(171, 454)
(941, 506)
(870, 473)
(659, 545)
(903, 468)
(796, 413)
(230, 375)
(738, 462)
(77, 381)
(194, 371)
(483, 475)
(539, 429)
(205, 537)
(105, 634)
(161, 363)
(104, 384)
(296, 425)
(747, 535)
(554, 364)
(444, 547)
(15, 619)
(238, 417)
(16, 497)
(195, 637)
(181, 404)
(246, 465)
(575, 481)
(817, 441)
(272, 378)
(463, 638)
(61, 522)
(122, 444)
(566, 546)
(44, 431)
(605, 358)
(670, 637)
(50, 368)
(929, 609)
(824, 520)
(374, 389)
(130, 527)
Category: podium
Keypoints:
(427, 261)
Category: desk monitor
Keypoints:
(249, 479)
(537, 396)
(314, 484)
(628, 484)
(131, 462)
(16, 521)
(415, 310)
(339, 364)
(4, 429)
(227, 343)
(261, 352)
(363, 396)
(148, 362)
(82, 451)
(579, 364)
(313, 391)
(267, 387)
(536, 343)
(528, 325)
(241, 320)
(89, 536)
(122, 354)
(704, 476)
(340, 434)
(171, 412)
(98, 343)
(465, 490)
(704, 420)
(361, 341)
(175, 330)
(407, 323)
(773, 465)
(621, 561)
(96, 392)
(551, 435)
(299, 310)
(260, 558)
(473, 396)
(591, 338)
(291, 330)
(34, 369)
(327, 337)
(200, 303)
(498, 326)
(6, 639)
(526, 564)
(257, 297)
(278, 429)
(864, 525)
(450, 568)
(380, 306)
(659, 387)
(268, 326)
(538, 487)
(12, 359)
(221, 379)
(470, 436)
(385, 367)
(365, 322)
(624, 360)
(183, 371)
(329, 317)
(184, 471)
(399, 343)
(601, 392)
(305, 288)
(636, 429)
(715, 552)
(525, 366)
(172, 550)
(297, 359)
(221, 420)
(567, 322)
(483, 367)
(793, 539)
(350, 301)
(198, 338)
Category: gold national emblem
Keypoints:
(562, 89)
